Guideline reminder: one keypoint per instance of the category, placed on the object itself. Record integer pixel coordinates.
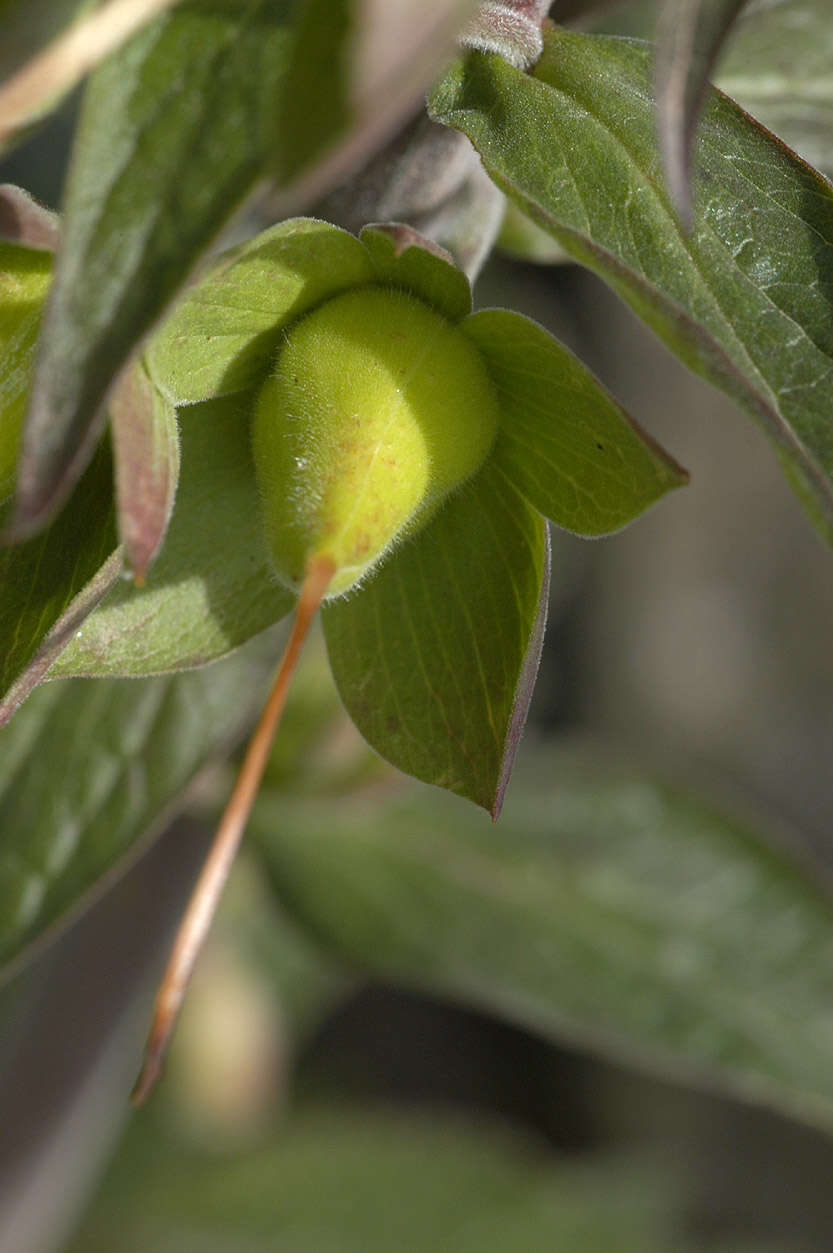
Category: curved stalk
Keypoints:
(206, 895)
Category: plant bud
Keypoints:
(376, 410)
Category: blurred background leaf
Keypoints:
(60, 54)
(603, 909)
(357, 1181)
(114, 759)
(690, 34)
(779, 66)
(29, 24)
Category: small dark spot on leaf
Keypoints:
(600, 447)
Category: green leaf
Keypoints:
(175, 129)
(743, 299)
(146, 454)
(689, 37)
(780, 67)
(87, 768)
(603, 909)
(49, 584)
(315, 98)
(435, 656)
(24, 280)
(359, 1181)
(563, 441)
(224, 334)
(403, 258)
(212, 586)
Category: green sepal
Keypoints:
(212, 586)
(223, 335)
(435, 655)
(563, 440)
(403, 258)
(146, 455)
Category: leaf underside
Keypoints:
(743, 299)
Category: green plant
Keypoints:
(317, 411)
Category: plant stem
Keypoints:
(206, 895)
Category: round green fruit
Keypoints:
(377, 409)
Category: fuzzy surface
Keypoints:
(377, 409)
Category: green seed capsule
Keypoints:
(377, 408)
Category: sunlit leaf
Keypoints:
(224, 334)
(403, 258)
(743, 299)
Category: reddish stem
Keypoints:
(206, 895)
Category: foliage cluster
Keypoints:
(236, 166)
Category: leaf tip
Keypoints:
(526, 683)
